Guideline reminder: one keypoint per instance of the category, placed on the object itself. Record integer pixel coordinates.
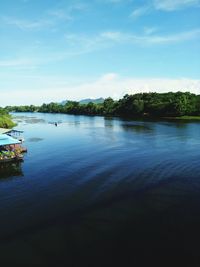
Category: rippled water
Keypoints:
(99, 191)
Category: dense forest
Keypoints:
(5, 119)
(137, 105)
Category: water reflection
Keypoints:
(28, 120)
(35, 139)
(11, 169)
(109, 122)
(102, 183)
(172, 124)
(138, 128)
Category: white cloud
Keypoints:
(60, 14)
(171, 5)
(109, 77)
(110, 84)
(87, 44)
(173, 38)
(47, 20)
(115, 36)
(138, 12)
(27, 24)
(77, 45)
(150, 30)
(17, 63)
(152, 39)
(163, 5)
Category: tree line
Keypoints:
(137, 105)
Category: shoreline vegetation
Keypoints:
(184, 118)
(6, 119)
(170, 106)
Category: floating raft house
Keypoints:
(8, 140)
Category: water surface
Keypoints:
(100, 191)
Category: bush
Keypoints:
(6, 121)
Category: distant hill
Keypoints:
(86, 101)
(95, 101)
(64, 102)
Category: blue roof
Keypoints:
(8, 140)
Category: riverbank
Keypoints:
(183, 118)
(6, 121)
(137, 118)
(179, 105)
(161, 118)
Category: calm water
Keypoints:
(102, 192)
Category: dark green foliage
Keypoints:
(30, 108)
(137, 105)
(109, 106)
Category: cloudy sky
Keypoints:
(72, 49)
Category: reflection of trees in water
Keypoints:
(136, 127)
(175, 123)
(35, 139)
(28, 119)
(109, 122)
(10, 169)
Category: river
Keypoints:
(97, 191)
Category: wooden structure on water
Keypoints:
(10, 146)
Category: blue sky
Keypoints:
(62, 49)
